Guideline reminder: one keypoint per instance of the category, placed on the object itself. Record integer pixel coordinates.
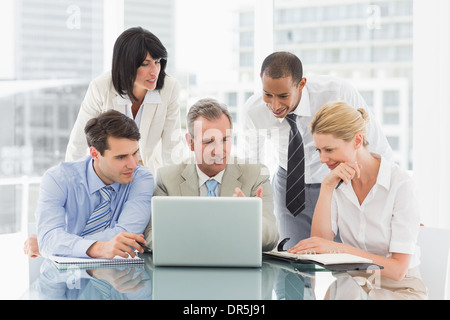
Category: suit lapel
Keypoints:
(146, 119)
(150, 105)
(190, 185)
(119, 104)
(230, 180)
(151, 102)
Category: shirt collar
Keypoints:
(383, 177)
(304, 106)
(384, 172)
(152, 96)
(94, 182)
(202, 178)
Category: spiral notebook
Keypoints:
(83, 263)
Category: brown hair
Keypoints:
(111, 123)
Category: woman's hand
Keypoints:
(345, 171)
(315, 245)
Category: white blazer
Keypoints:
(161, 139)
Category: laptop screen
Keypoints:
(207, 231)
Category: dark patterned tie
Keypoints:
(295, 181)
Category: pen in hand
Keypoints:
(340, 182)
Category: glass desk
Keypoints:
(275, 280)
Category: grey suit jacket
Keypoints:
(182, 180)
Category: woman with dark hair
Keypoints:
(139, 87)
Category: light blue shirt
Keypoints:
(69, 193)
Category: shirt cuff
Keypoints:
(399, 247)
(81, 246)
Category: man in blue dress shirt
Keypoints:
(75, 215)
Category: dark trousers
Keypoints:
(299, 227)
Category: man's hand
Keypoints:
(238, 192)
(30, 247)
(121, 245)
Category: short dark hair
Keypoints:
(283, 64)
(207, 108)
(130, 50)
(111, 123)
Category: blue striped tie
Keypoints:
(211, 185)
(100, 219)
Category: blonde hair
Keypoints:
(340, 120)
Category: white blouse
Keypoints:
(387, 221)
(150, 97)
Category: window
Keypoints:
(246, 39)
(368, 97)
(368, 43)
(51, 49)
(231, 99)
(56, 52)
(59, 46)
(391, 98)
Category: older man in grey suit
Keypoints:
(209, 137)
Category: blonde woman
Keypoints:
(367, 198)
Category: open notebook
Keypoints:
(323, 258)
(77, 263)
(332, 261)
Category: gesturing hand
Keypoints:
(238, 192)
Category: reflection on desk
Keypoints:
(174, 283)
(118, 283)
(275, 280)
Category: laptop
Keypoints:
(207, 231)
